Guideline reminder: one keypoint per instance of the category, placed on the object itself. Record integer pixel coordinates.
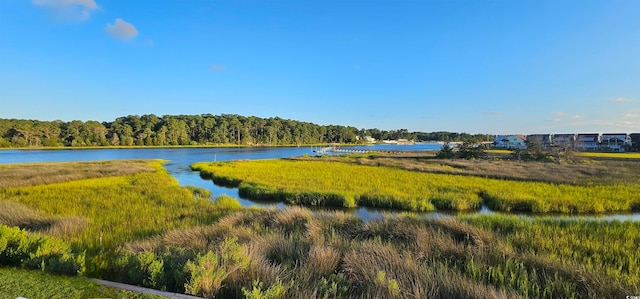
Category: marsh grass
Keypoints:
(118, 208)
(16, 214)
(20, 175)
(320, 182)
(335, 255)
(612, 155)
(151, 229)
(97, 216)
(586, 172)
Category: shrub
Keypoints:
(275, 291)
(35, 251)
(210, 270)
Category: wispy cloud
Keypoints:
(217, 67)
(576, 116)
(630, 115)
(121, 29)
(599, 124)
(619, 100)
(558, 113)
(493, 112)
(68, 9)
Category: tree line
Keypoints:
(204, 129)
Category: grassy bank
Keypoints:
(319, 182)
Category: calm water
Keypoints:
(180, 159)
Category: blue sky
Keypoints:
(475, 66)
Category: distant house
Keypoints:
(616, 142)
(510, 142)
(545, 140)
(367, 139)
(588, 142)
(635, 141)
(563, 140)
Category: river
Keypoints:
(180, 159)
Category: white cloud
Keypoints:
(121, 30)
(619, 100)
(217, 67)
(558, 113)
(576, 116)
(630, 115)
(68, 9)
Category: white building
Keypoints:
(510, 142)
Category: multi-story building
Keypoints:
(588, 142)
(616, 142)
(510, 142)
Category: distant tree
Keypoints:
(534, 151)
(468, 150)
(446, 152)
(565, 152)
(115, 140)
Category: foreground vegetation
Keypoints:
(96, 216)
(142, 228)
(302, 254)
(320, 182)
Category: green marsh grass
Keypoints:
(100, 214)
(318, 182)
(611, 155)
(119, 208)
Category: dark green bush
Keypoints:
(35, 251)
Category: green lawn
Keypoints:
(35, 284)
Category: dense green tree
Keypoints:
(150, 129)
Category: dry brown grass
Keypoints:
(335, 255)
(379, 270)
(17, 214)
(21, 175)
(579, 173)
(323, 260)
